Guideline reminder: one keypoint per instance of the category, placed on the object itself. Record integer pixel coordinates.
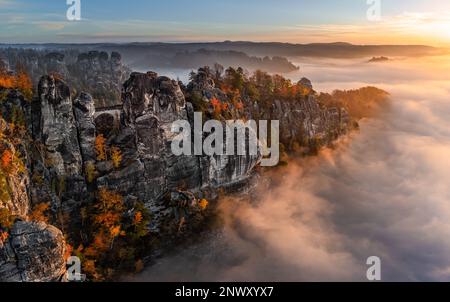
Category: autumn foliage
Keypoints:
(116, 157)
(6, 222)
(115, 236)
(40, 213)
(110, 209)
(217, 105)
(241, 90)
(6, 219)
(100, 147)
(3, 236)
(203, 204)
(137, 218)
(20, 81)
(6, 159)
(10, 163)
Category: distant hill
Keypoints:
(205, 57)
(331, 50)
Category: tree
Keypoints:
(3, 236)
(116, 156)
(39, 213)
(225, 107)
(6, 160)
(217, 105)
(111, 209)
(6, 219)
(218, 70)
(6, 81)
(234, 78)
(100, 147)
(90, 172)
(68, 252)
(24, 84)
(116, 235)
(90, 268)
(137, 218)
(203, 204)
(21, 82)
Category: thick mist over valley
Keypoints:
(383, 191)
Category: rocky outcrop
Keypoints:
(302, 121)
(305, 121)
(84, 110)
(94, 72)
(151, 104)
(33, 252)
(56, 127)
(101, 75)
(67, 168)
(58, 161)
(55, 64)
(142, 132)
(28, 251)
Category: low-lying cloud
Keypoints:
(383, 192)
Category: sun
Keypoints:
(439, 28)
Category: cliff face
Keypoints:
(29, 251)
(150, 105)
(70, 157)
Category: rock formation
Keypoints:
(62, 156)
(13, 186)
(30, 251)
(94, 72)
(56, 158)
(302, 120)
(100, 75)
(34, 252)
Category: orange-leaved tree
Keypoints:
(24, 84)
(40, 213)
(203, 204)
(6, 160)
(217, 105)
(100, 147)
(116, 235)
(20, 81)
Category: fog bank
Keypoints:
(383, 192)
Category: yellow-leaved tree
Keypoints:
(116, 157)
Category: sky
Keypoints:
(295, 21)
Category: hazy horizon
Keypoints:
(216, 41)
(399, 22)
